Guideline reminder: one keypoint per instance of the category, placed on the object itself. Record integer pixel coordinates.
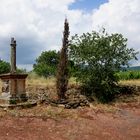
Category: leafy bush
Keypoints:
(46, 63)
(100, 56)
(4, 67)
(21, 70)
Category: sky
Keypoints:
(86, 5)
(37, 25)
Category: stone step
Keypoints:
(4, 98)
(4, 101)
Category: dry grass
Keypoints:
(2, 113)
(38, 85)
(40, 111)
(49, 82)
(0, 85)
(108, 108)
(47, 111)
(130, 82)
(36, 80)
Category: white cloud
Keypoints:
(37, 26)
(122, 16)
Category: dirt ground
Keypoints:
(89, 123)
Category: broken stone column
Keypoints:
(13, 55)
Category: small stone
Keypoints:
(5, 109)
(61, 105)
(91, 105)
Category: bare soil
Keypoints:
(43, 122)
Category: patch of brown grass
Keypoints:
(130, 82)
(47, 82)
(2, 113)
(0, 85)
(108, 108)
(40, 111)
(36, 80)
(36, 84)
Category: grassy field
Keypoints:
(126, 78)
(34, 79)
(135, 82)
(129, 75)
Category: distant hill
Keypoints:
(134, 68)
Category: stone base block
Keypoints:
(5, 98)
(8, 99)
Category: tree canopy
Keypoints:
(4, 67)
(46, 63)
(100, 55)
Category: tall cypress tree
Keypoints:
(62, 71)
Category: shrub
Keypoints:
(100, 57)
(46, 63)
(4, 67)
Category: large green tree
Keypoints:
(4, 67)
(46, 63)
(100, 55)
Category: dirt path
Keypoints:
(88, 125)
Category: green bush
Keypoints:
(4, 67)
(46, 63)
(100, 56)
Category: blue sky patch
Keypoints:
(87, 5)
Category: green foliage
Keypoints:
(62, 71)
(33, 75)
(72, 68)
(20, 70)
(4, 67)
(13, 101)
(100, 56)
(46, 63)
(128, 75)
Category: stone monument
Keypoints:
(13, 88)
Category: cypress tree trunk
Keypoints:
(62, 70)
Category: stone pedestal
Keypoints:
(13, 89)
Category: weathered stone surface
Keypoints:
(13, 55)
(13, 89)
(4, 98)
